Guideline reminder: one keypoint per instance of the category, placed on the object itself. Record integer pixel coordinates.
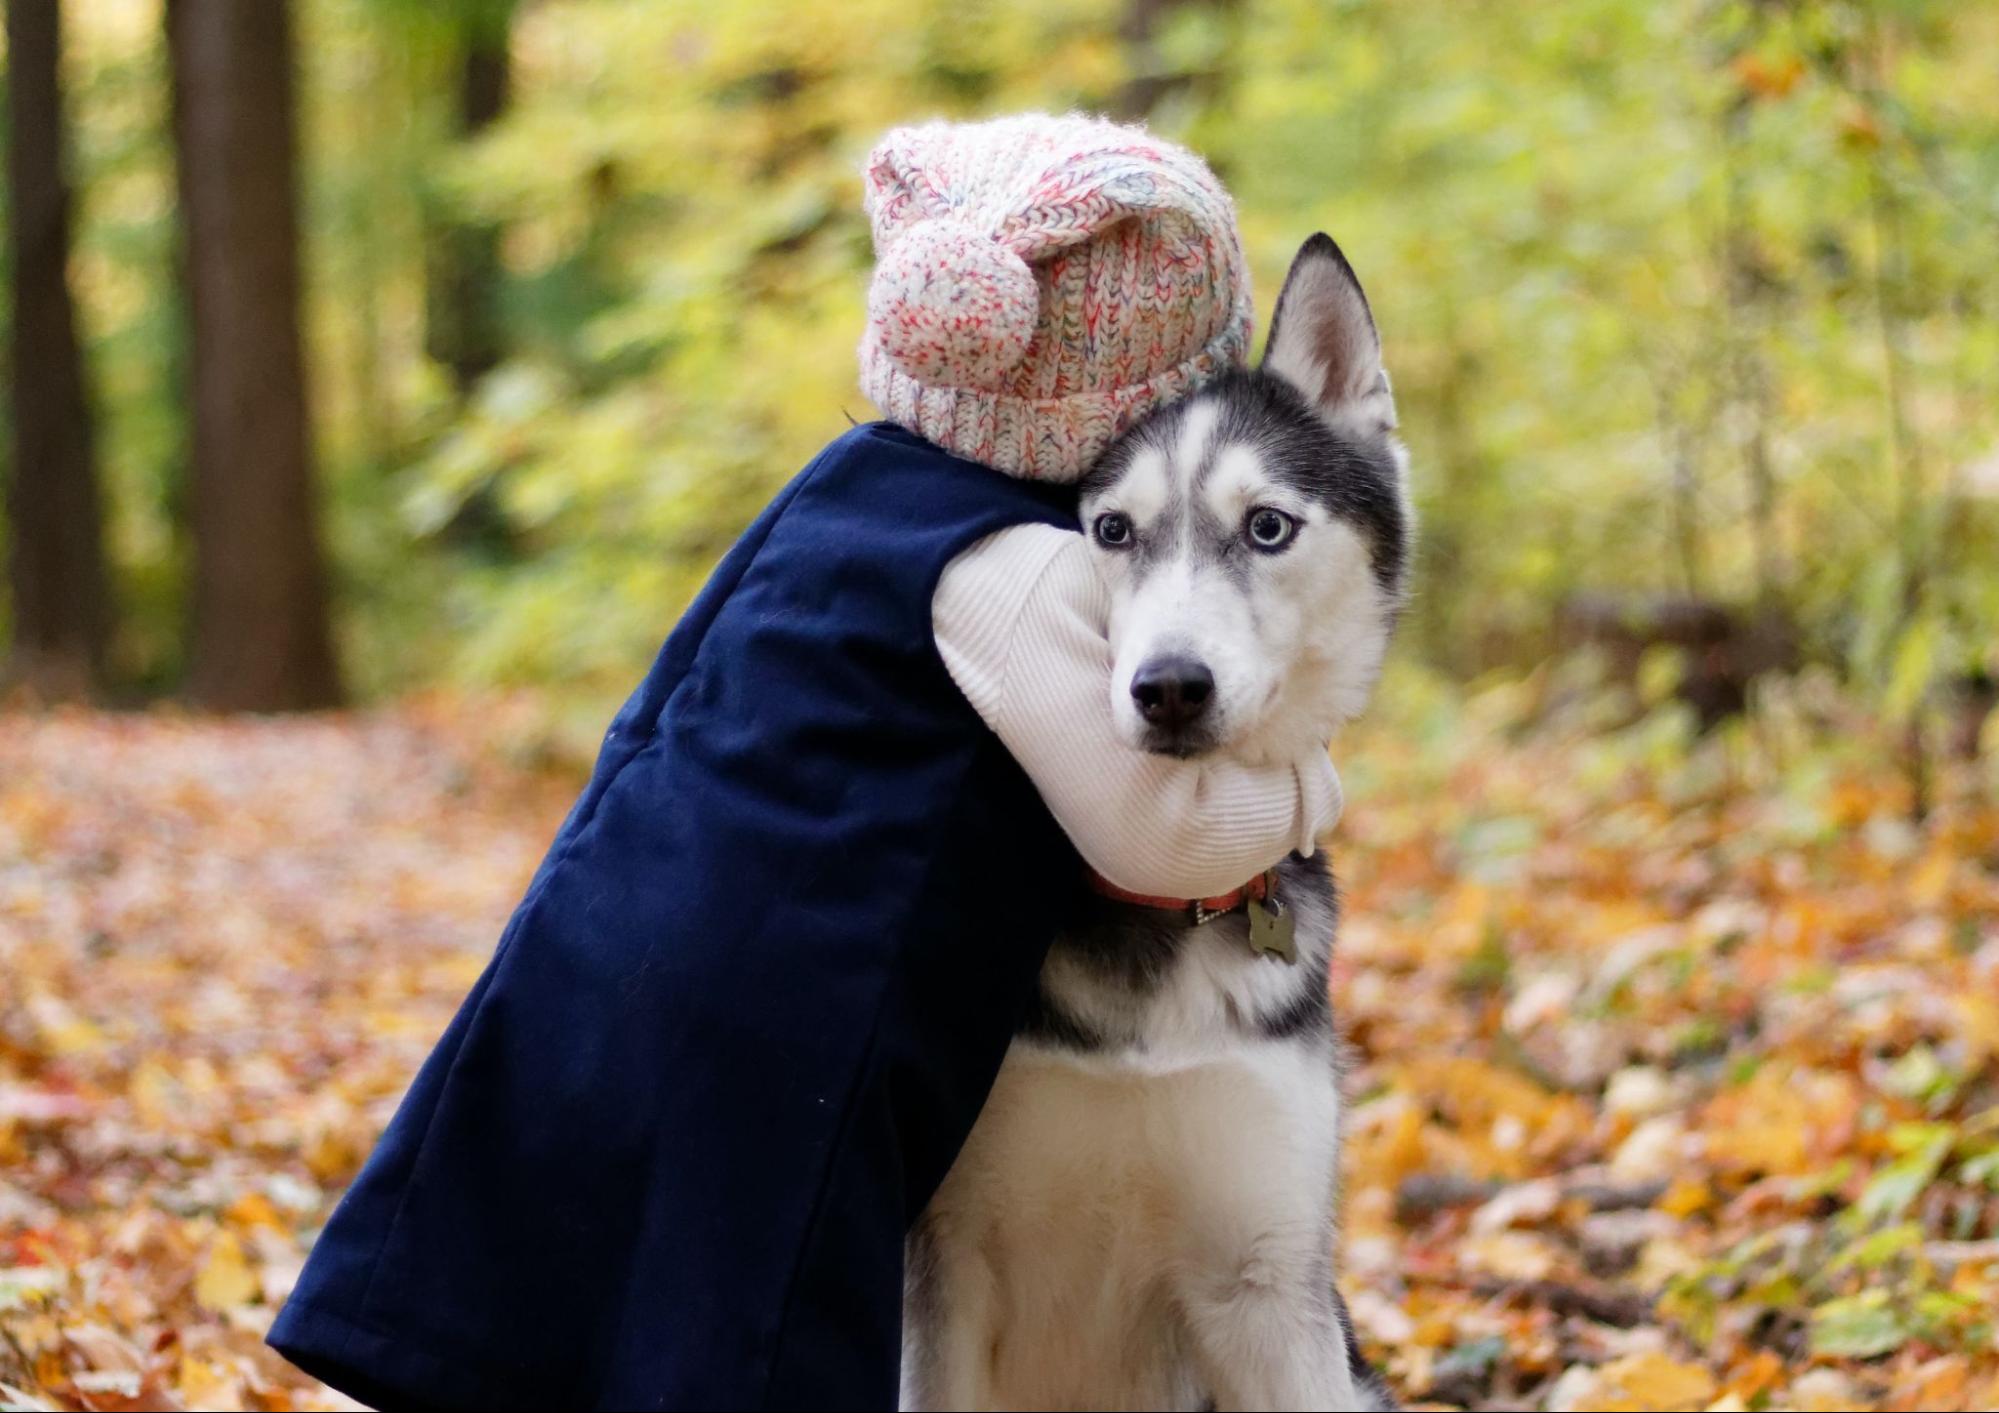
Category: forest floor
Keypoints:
(1676, 1080)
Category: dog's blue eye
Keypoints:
(1271, 529)
(1113, 529)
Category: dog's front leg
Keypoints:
(1255, 1279)
(947, 1313)
(1266, 1335)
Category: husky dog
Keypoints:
(1143, 1216)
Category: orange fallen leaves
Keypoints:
(224, 947)
(1781, 1121)
(1677, 1080)
(1746, 1027)
(1642, 1382)
(225, 1279)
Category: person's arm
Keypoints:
(1020, 620)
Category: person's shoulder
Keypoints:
(880, 452)
(891, 439)
(882, 438)
(897, 465)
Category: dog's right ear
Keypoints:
(1323, 342)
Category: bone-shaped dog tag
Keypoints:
(1273, 931)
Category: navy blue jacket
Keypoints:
(746, 1014)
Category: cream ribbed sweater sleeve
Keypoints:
(1020, 619)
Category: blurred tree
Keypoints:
(1748, 281)
(464, 323)
(462, 310)
(1683, 298)
(1161, 71)
(261, 640)
(61, 611)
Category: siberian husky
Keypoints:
(1143, 1216)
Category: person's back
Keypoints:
(729, 924)
(753, 998)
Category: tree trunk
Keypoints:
(260, 635)
(56, 557)
(1913, 550)
(462, 315)
(1742, 282)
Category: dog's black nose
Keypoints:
(1172, 691)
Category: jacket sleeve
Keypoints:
(1020, 618)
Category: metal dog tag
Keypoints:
(1273, 931)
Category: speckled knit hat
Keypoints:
(1041, 282)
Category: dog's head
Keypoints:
(1255, 537)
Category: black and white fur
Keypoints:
(1144, 1214)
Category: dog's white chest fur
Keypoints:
(1115, 1237)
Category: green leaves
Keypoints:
(1612, 246)
(1862, 1326)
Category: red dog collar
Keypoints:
(1200, 910)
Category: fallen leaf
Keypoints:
(225, 1279)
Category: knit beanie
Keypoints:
(1041, 282)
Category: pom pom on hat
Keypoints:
(952, 306)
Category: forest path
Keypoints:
(1675, 1080)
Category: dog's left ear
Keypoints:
(1323, 342)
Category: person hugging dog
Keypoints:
(740, 1024)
